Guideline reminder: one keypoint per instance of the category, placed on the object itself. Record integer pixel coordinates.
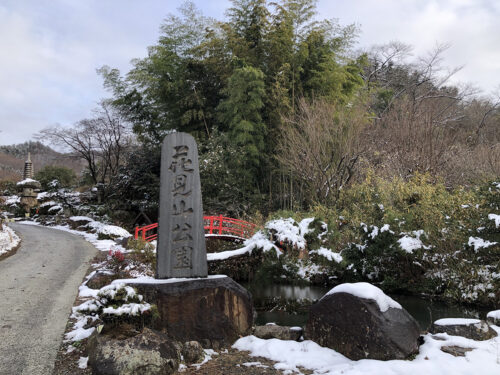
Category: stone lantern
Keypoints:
(27, 186)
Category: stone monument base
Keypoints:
(214, 311)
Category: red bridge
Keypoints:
(215, 226)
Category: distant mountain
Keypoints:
(12, 159)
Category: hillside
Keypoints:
(12, 159)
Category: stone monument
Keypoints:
(213, 310)
(27, 186)
(181, 237)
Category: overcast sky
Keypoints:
(50, 49)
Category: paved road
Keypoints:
(38, 286)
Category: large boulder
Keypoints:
(148, 353)
(360, 321)
(274, 331)
(474, 329)
(214, 311)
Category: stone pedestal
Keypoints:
(214, 311)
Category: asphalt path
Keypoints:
(38, 285)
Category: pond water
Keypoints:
(423, 310)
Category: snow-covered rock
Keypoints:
(360, 321)
(366, 291)
(474, 329)
(494, 317)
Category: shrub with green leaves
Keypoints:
(53, 177)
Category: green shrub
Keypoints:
(53, 177)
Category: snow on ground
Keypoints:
(328, 254)
(8, 240)
(479, 243)
(83, 362)
(102, 245)
(367, 291)
(290, 355)
(257, 241)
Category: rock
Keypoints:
(215, 311)
(123, 241)
(100, 279)
(493, 317)
(456, 351)
(76, 222)
(474, 329)
(192, 352)
(273, 331)
(149, 353)
(357, 328)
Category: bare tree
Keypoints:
(320, 146)
(100, 140)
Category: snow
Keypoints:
(328, 254)
(80, 218)
(257, 241)
(409, 244)
(456, 322)
(306, 270)
(78, 332)
(127, 309)
(110, 291)
(496, 218)
(367, 291)
(256, 364)
(494, 314)
(27, 181)
(110, 230)
(82, 362)
(208, 356)
(290, 355)
(479, 243)
(151, 280)
(288, 230)
(49, 203)
(386, 228)
(102, 245)
(12, 200)
(55, 208)
(8, 240)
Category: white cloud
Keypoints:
(471, 28)
(49, 49)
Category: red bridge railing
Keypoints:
(214, 225)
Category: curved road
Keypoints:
(38, 286)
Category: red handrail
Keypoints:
(215, 225)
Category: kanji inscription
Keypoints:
(181, 238)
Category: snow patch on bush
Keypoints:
(479, 243)
(328, 254)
